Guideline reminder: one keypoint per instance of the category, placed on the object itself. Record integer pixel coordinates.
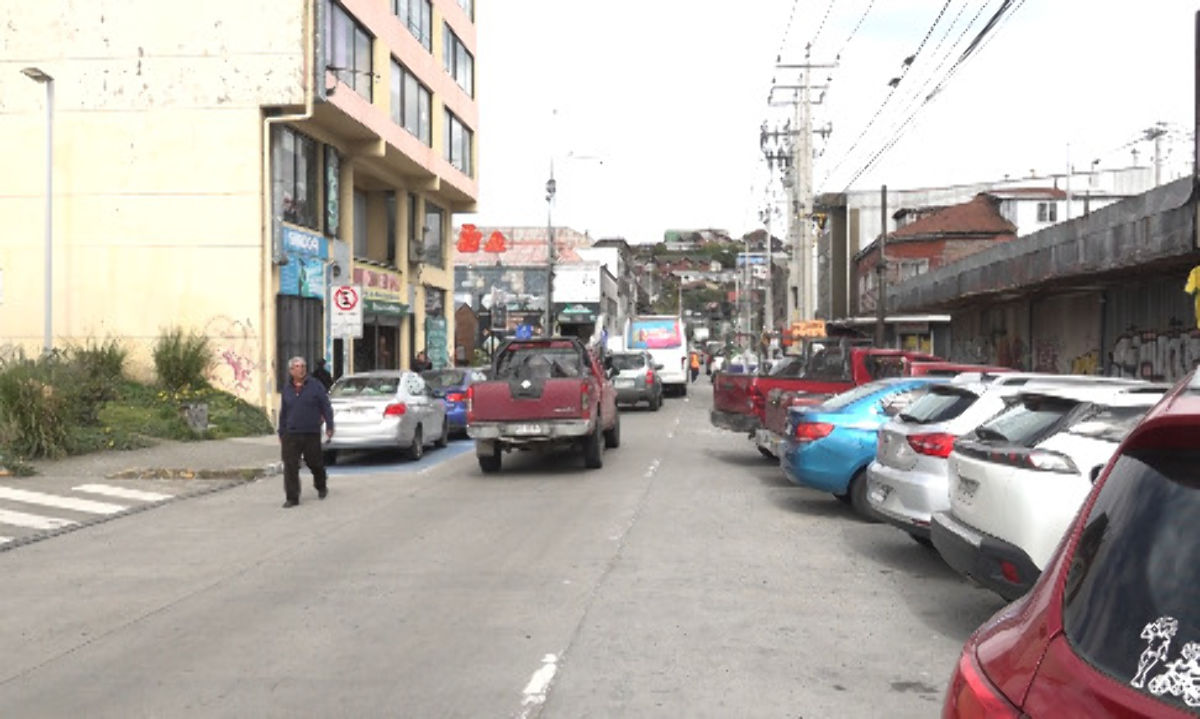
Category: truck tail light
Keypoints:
(470, 404)
(971, 695)
(758, 401)
(585, 397)
(455, 396)
(809, 431)
(933, 445)
(395, 410)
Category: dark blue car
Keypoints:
(450, 385)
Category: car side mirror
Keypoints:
(658, 365)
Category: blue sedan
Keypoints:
(828, 446)
(450, 385)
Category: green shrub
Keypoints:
(34, 412)
(182, 360)
(92, 377)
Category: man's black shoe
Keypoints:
(322, 493)
(290, 503)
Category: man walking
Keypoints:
(304, 405)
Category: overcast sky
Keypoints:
(651, 108)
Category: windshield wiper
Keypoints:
(987, 433)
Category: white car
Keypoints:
(1017, 481)
(909, 480)
(385, 410)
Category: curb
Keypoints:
(243, 473)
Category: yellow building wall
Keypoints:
(158, 174)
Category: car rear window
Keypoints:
(1131, 606)
(539, 361)
(1107, 423)
(364, 387)
(443, 378)
(1026, 422)
(940, 404)
(849, 397)
(624, 362)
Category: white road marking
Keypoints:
(653, 469)
(32, 521)
(54, 500)
(122, 492)
(5, 540)
(539, 685)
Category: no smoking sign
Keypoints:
(346, 318)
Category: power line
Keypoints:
(854, 32)
(895, 83)
(1002, 14)
(787, 29)
(824, 18)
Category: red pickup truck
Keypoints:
(543, 393)
(745, 403)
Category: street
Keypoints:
(684, 578)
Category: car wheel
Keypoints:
(444, 439)
(329, 457)
(490, 463)
(592, 449)
(858, 496)
(612, 437)
(417, 450)
(656, 402)
(768, 454)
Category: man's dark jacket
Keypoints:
(301, 413)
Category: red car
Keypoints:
(1112, 627)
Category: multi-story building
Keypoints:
(222, 169)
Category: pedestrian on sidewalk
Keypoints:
(421, 362)
(303, 406)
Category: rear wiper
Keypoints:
(987, 433)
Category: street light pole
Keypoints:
(551, 188)
(40, 77)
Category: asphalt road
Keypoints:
(686, 578)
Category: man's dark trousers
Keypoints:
(308, 445)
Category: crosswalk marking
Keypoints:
(4, 540)
(121, 492)
(54, 500)
(33, 521)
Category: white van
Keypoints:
(664, 338)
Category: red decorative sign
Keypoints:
(496, 242)
(468, 239)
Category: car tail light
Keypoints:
(972, 695)
(809, 431)
(649, 376)
(585, 397)
(1010, 571)
(455, 396)
(395, 410)
(1038, 459)
(758, 401)
(470, 405)
(934, 445)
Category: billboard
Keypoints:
(651, 334)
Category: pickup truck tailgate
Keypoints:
(731, 393)
(502, 401)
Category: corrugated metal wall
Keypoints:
(994, 335)
(1150, 330)
(1066, 334)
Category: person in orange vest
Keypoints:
(694, 363)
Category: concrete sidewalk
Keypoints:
(239, 458)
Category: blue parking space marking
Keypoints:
(393, 464)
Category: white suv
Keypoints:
(1017, 480)
(909, 480)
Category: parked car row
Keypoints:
(1075, 496)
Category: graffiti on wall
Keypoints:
(998, 350)
(237, 350)
(1158, 356)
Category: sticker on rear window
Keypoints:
(1181, 677)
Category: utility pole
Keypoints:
(881, 272)
(551, 188)
(801, 275)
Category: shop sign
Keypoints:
(808, 328)
(577, 311)
(304, 273)
(381, 291)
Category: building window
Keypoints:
(434, 251)
(294, 177)
(911, 268)
(458, 144)
(410, 104)
(1047, 212)
(390, 202)
(468, 7)
(417, 16)
(415, 248)
(360, 223)
(458, 62)
(348, 50)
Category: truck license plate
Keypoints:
(526, 429)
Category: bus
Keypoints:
(664, 338)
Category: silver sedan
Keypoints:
(385, 410)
